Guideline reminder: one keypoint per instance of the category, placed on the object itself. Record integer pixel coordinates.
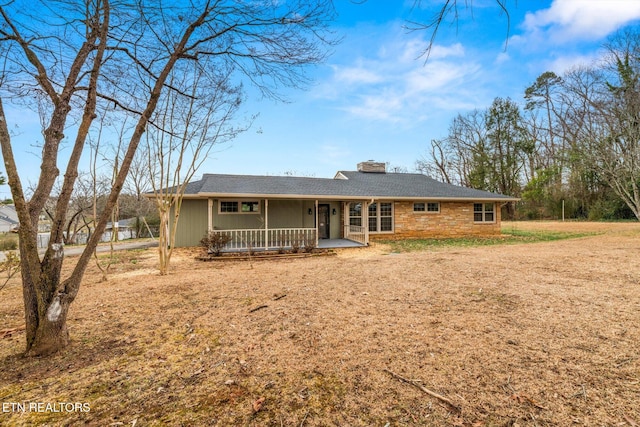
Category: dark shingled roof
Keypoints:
(347, 184)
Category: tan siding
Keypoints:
(295, 214)
(235, 221)
(282, 214)
(309, 221)
(455, 219)
(192, 224)
(287, 213)
(335, 222)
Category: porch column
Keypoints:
(316, 223)
(365, 221)
(345, 219)
(266, 223)
(209, 215)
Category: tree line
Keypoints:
(571, 147)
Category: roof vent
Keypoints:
(372, 167)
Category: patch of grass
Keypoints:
(545, 236)
(511, 236)
(129, 256)
(8, 241)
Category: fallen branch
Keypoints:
(305, 418)
(424, 389)
(582, 392)
(7, 333)
(257, 405)
(625, 361)
(631, 422)
(277, 297)
(258, 308)
(520, 398)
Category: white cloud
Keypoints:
(357, 74)
(385, 106)
(502, 58)
(440, 52)
(436, 75)
(567, 63)
(394, 85)
(570, 20)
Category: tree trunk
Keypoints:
(51, 334)
(45, 310)
(510, 210)
(163, 241)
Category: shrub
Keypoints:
(280, 242)
(8, 242)
(214, 242)
(309, 242)
(296, 242)
(9, 267)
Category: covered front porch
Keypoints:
(284, 224)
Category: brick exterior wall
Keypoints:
(455, 219)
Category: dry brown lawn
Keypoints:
(538, 334)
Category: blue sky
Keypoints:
(376, 97)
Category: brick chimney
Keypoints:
(372, 167)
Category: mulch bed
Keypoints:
(264, 255)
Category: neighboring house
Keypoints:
(8, 218)
(126, 230)
(356, 206)
(7, 225)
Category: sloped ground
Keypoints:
(527, 334)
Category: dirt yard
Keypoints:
(538, 334)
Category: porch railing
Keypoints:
(273, 238)
(355, 233)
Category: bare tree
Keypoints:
(188, 128)
(82, 205)
(438, 163)
(462, 157)
(609, 131)
(448, 11)
(133, 200)
(74, 58)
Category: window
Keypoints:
(373, 217)
(483, 212)
(433, 207)
(228, 207)
(380, 217)
(250, 207)
(239, 207)
(386, 217)
(355, 214)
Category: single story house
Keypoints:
(354, 207)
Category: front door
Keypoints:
(323, 221)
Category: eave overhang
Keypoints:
(345, 197)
